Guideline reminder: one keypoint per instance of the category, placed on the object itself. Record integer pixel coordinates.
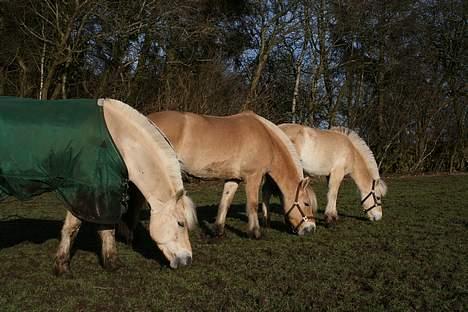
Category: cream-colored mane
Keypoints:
(362, 149)
(165, 151)
(283, 138)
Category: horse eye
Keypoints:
(307, 204)
(181, 224)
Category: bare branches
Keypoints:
(393, 71)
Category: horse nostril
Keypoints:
(189, 261)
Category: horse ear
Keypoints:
(180, 193)
(305, 182)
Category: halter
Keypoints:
(304, 218)
(377, 202)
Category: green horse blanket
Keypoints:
(62, 146)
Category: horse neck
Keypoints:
(285, 169)
(361, 174)
(286, 176)
(151, 165)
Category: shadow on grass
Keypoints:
(207, 217)
(319, 218)
(17, 231)
(353, 216)
(14, 232)
(145, 246)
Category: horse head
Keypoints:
(372, 201)
(169, 225)
(302, 212)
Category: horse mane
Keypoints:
(362, 148)
(283, 138)
(174, 166)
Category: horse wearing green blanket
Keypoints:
(87, 151)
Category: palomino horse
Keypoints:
(243, 147)
(148, 159)
(336, 153)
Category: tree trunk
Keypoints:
(296, 92)
(23, 77)
(3, 78)
(381, 91)
(262, 60)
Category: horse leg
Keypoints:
(110, 261)
(70, 228)
(252, 184)
(230, 188)
(267, 192)
(334, 181)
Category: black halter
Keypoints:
(377, 201)
(305, 218)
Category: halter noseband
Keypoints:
(304, 218)
(377, 201)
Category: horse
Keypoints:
(243, 147)
(336, 153)
(140, 156)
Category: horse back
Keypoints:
(171, 123)
(216, 147)
(321, 151)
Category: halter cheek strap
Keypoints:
(377, 202)
(304, 218)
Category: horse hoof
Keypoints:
(331, 221)
(255, 234)
(218, 230)
(62, 269)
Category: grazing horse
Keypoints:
(336, 153)
(88, 153)
(243, 147)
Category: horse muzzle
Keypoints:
(180, 260)
(307, 227)
(374, 215)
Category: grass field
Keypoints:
(415, 259)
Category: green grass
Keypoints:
(415, 258)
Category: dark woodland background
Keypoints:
(394, 71)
